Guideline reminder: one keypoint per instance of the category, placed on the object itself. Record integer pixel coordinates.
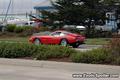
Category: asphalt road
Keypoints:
(85, 47)
(8, 72)
(14, 69)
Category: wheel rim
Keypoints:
(64, 43)
(37, 42)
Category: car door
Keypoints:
(55, 37)
(46, 39)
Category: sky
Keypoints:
(21, 6)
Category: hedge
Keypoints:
(42, 52)
(52, 51)
(95, 56)
(46, 52)
(15, 50)
(10, 27)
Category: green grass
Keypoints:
(92, 41)
(14, 39)
(97, 41)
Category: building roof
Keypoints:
(43, 7)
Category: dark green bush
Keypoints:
(45, 52)
(42, 52)
(2, 48)
(26, 31)
(114, 47)
(95, 56)
(10, 27)
(18, 29)
(27, 27)
(52, 51)
(97, 33)
(117, 61)
(14, 50)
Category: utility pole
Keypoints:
(5, 19)
(7, 11)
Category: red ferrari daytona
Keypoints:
(63, 38)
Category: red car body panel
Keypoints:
(48, 39)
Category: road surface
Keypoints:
(15, 69)
(85, 47)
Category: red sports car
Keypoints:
(63, 38)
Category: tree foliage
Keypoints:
(76, 11)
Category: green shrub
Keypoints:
(27, 31)
(92, 32)
(117, 61)
(24, 31)
(45, 52)
(2, 48)
(10, 27)
(14, 50)
(42, 52)
(27, 27)
(18, 29)
(95, 56)
(44, 28)
(114, 46)
(53, 51)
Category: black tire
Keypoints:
(63, 42)
(37, 41)
(76, 45)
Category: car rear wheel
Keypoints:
(37, 42)
(63, 42)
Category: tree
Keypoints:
(76, 12)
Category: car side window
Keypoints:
(56, 34)
(62, 34)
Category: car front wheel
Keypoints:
(63, 42)
(37, 42)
